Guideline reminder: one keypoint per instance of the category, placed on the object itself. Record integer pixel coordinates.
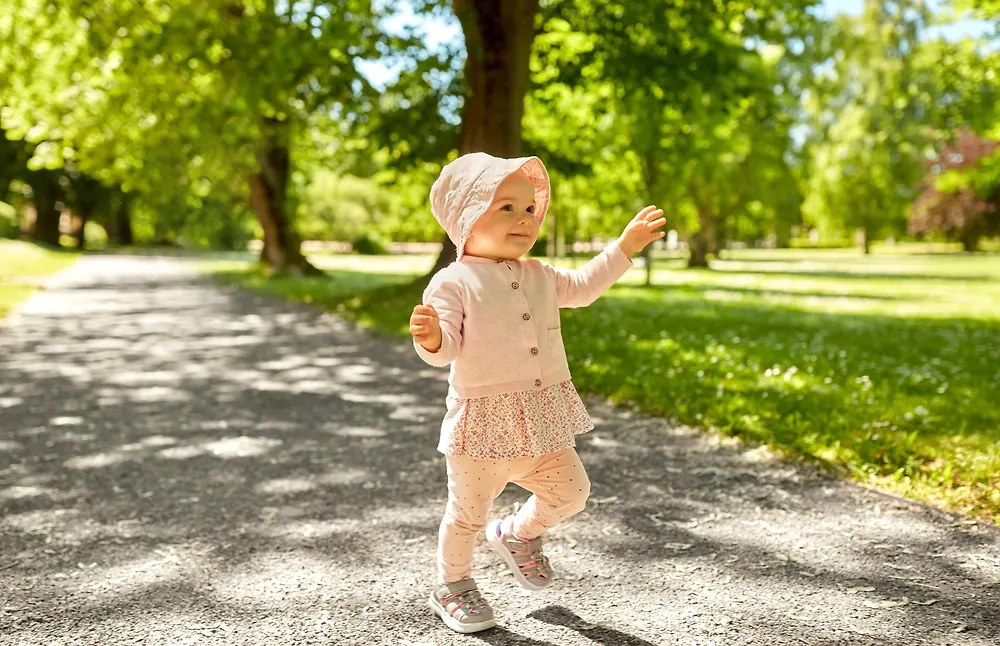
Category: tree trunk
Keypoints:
(970, 241)
(45, 194)
(88, 193)
(699, 250)
(867, 240)
(120, 222)
(125, 223)
(498, 38)
(650, 176)
(268, 190)
(705, 240)
(81, 234)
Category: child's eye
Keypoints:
(530, 209)
(507, 207)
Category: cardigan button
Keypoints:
(538, 382)
(534, 351)
(514, 285)
(526, 317)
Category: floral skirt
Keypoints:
(514, 425)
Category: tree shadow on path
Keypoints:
(181, 459)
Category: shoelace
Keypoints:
(472, 602)
(536, 563)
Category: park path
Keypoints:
(182, 463)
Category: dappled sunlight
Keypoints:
(54, 521)
(715, 519)
(298, 578)
(96, 460)
(159, 565)
(241, 447)
(898, 399)
(226, 447)
(345, 476)
(354, 431)
(312, 495)
(279, 486)
(298, 531)
(10, 446)
(140, 377)
(932, 289)
(181, 452)
(27, 491)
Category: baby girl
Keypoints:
(513, 412)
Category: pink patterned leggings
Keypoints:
(558, 483)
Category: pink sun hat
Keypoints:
(466, 188)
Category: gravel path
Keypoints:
(186, 464)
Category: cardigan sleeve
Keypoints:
(445, 295)
(581, 287)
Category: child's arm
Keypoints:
(581, 287)
(436, 325)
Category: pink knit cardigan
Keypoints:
(500, 319)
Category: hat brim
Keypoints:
(536, 173)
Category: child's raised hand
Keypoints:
(642, 230)
(426, 327)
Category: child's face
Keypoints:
(508, 229)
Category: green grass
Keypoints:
(885, 369)
(22, 266)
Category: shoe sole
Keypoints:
(501, 549)
(456, 625)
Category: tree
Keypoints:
(873, 116)
(498, 38)
(678, 100)
(12, 163)
(962, 197)
(47, 195)
(86, 198)
(190, 96)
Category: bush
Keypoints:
(97, 236)
(806, 243)
(368, 244)
(336, 207)
(540, 248)
(9, 225)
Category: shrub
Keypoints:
(9, 225)
(368, 244)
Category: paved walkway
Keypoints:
(186, 464)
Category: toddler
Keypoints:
(513, 412)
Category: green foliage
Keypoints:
(962, 196)
(369, 245)
(705, 136)
(10, 226)
(169, 100)
(97, 235)
(984, 9)
(340, 207)
(882, 99)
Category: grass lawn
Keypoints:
(22, 266)
(884, 369)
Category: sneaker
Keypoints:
(524, 558)
(461, 606)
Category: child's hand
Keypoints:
(641, 231)
(426, 327)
